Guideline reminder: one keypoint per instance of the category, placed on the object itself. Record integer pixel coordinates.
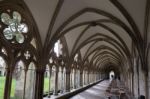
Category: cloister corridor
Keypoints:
(74, 49)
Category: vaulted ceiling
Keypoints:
(103, 31)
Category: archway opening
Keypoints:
(111, 75)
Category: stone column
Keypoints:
(133, 83)
(136, 82)
(75, 80)
(89, 77)
(8, 84)
(84, 78)
(88, 80)
(71, 84)
(142, 82)
(50, 74)
(149, 84)
(62, 81)
(40, 85)
(81, 78)
(146, 86)
(37, 84)
(56, 82)
(67, 80)
(78, 78)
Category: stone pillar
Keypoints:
(84, 77)
(75, 80)
(149, 84)
(94, 76)
(67, 80)
(81, 78)
(136, 82)
(146, 86)
(142, 82)
(62, 81)
(71, 77)
(56, 82)
(78, 78)
(88, 80)
(90, 77)
(36, 84)
(50, 74)
(8, 84)
(40, 85)
(133, 83)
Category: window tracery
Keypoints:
(13, 28)
(16, 33)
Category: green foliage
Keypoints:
(13, 88)
(46, 84)
(2, 86)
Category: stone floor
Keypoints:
(96, 92)
(105, 90)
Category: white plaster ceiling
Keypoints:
(43, 11)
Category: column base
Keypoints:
(49, 96)
(67, 90)
(55, 94)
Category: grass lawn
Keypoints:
(13, 88)
(46, 84)
(2, 85)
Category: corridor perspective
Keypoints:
(74, 49)
(95, 92)
(105, 89)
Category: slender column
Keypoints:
(8, 85)
(88, 80)
(56, 82)
(78, 78)
(133, 83)
(146, 87)
(94, 76)
(71, 84)
(62, 78)
(84, 78)
(50, 74)
(75, 80)
(67, 80)
(97, 76)
(81, 78)
(36, 84)
(41, 83)
(90, 77)
(24, 88)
